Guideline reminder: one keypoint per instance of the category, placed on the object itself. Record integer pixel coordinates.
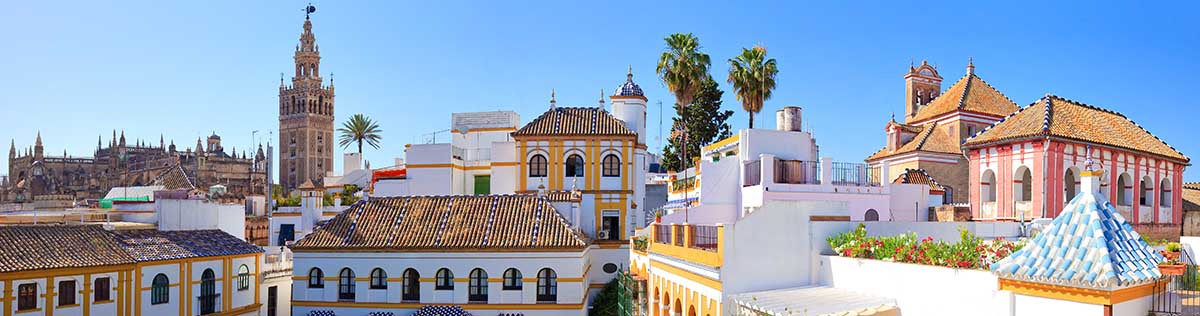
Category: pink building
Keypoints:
(1030, 162)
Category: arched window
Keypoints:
(1164, 196)
(547, 291)
(208, 292)
(1147, 188)
(378, 279)
(346, 284)
(1124, 190)
(574, 166)
(1023, 185)
(871, 216)
(243, 280)
(512, 279)
(537, 166)
(411, 289)
(611, 166)
(316, 278)
(987, 186)
(160, 290)
(444, 280)
(477, 286)
(1070, 183)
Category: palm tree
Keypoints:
(753, 77)
(358, 129)
(683, 67)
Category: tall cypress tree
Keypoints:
(705, 124)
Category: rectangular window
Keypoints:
(102, 289)
(66, 293)
(27, 296)
(610, 225)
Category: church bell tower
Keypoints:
(305, 116)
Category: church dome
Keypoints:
(629, 88)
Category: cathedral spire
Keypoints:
(12, 148)
(38, 143)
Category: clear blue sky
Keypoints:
(184, 69)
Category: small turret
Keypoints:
(12, 149)
(37, 148)
(121, 143)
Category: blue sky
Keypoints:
(76, 71)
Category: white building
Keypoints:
(86, 270)
(490, 253)
(584, 165)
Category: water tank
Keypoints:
(788, 119)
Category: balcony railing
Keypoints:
(797, 172)
(854, 174)
(753, 172)
(704, 238)
(663, 235)
(695, 243)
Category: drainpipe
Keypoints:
(1046, 175)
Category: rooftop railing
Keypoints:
(854, 174)
(797, 172)
(695, 243)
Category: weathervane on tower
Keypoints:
(309, 10)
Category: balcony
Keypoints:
(699, 244)
(807, 172)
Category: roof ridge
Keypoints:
(931, 129)
(399, 218)
(437, 241)
(985, 83)
(993, 125)
(487, 232)
(962, 99)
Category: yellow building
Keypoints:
(87, 270)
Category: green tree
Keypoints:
(683, 68)
(359, 129)
(753, 77)
(616, 298)
(706, 123)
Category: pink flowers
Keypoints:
(970, 252)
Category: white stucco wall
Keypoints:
(920, 289)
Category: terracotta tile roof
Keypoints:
(919, 176)
(153, 245)
(570, 121)
(1054, 116)
(930, 138)
(174, 178)
(440, 223)
(35, 247)
(970, 94)
(1191, 196)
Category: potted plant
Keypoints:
(1172, 251)
(1172, 267)
(658, 216)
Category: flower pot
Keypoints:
(1171, 255)
(1171, 269)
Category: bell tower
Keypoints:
(305, 116)
(921, 85)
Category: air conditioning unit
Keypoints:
(602, 235)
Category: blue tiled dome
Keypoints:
(629, 88)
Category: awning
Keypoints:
(441, 310)
(814, 300)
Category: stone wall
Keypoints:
(1151, 231)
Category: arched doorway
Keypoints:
(678, 309)
(1070, 184)
(657, 303)
(987, 186)
(871, 216)
(1023, 184)
(691, 310)
(1147, 190)
(1124, 190)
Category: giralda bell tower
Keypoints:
(305, 117)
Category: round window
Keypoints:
(610, 268)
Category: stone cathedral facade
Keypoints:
(305, 118)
